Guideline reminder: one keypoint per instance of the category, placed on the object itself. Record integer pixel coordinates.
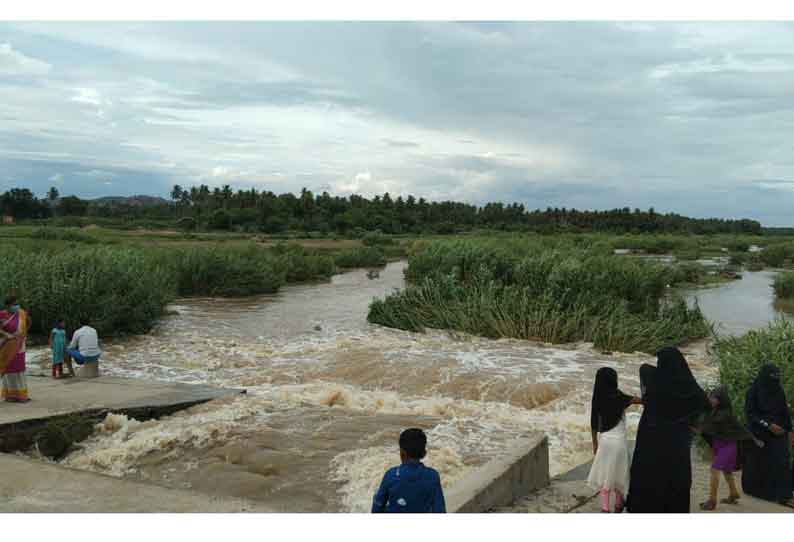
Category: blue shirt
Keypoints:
(411, 488)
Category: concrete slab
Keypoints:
(50, 397)
(33, 486)
(523, 468)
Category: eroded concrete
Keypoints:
(33, 486)
(523, 468)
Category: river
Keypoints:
(328, 394)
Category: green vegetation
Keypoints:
(784, 285)
(69, 235)
(251, 211)
(119, 289)
(740, 358)
(125, 289)
(530, 290)
(360, 257)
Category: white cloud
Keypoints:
(57, 178)
(87, 96)
(728, 63)
(14, 63)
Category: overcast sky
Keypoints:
(696, 118)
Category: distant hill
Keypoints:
(142, 201)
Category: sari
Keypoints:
(12, 355)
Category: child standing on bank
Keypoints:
(723, 431)
(610, 470)
(412, 487)
(57, 343)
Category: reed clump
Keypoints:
(126, 289)
(740, 358)
(530, 291)
(784, 285)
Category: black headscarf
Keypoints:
(771, 397)
(608, 401)
(678, 395)
(647, 383)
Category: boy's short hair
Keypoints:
(85, 320)
(414, 443)
(10, 300)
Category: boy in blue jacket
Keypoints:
(411, 487)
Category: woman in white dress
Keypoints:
(610, 471)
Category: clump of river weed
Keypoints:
(126, 289)
(527, 289)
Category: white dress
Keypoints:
(612, 461)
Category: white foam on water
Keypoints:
(474, 394)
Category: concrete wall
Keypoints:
(500, 482)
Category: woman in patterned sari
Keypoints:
(14, 325)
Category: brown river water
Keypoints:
(328, 394)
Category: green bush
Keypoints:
(67, 234)
(524, 290)
(120, 290)
(777, 255)
(784, 285)
(227, 271)
(125, 290)
(376, 238)
(303, 265)
(360, 257)
(740, 358)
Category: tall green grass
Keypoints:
(784, 285)
(120, 290)
(740, 358)
(525, 290)
(366, 256)
(126, 289)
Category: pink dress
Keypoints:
(15, 387)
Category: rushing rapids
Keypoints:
(328, 394)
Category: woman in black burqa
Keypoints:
(661, 469)
(766, 473)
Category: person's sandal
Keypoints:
(733, 499)
(708, 505)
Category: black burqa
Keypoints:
(766, 473)
(661, 469)
(608, 403)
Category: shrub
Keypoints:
(522, 290)
(360, 257)
(777, 255)
(120, 290)
(187, 223)
(71, 235)
(740, 358)
(784, 285)
(376, 238)
(227, 271)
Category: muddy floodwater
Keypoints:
(741, 305)
(328, 394)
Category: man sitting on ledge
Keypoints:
(84, 349)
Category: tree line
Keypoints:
(223, 208)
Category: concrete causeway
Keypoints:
(50, 397)
(33, 486)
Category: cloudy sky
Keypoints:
(696, 118)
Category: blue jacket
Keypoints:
(411, 488)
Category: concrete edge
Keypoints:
(24, 434)
(523, 468)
